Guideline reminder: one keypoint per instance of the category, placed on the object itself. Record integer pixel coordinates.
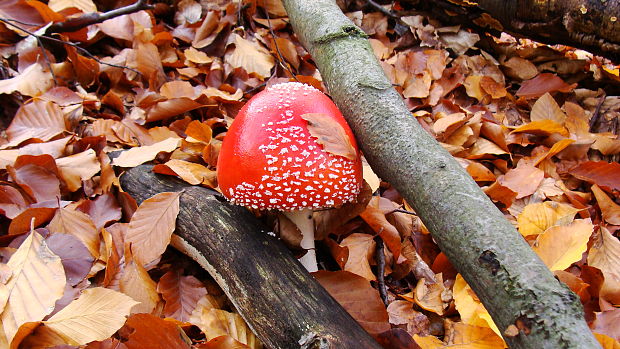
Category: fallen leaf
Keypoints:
(607, 342)
(606, 323)
(181, 294)
(199, 131)
(102, 210)
(546, 108)
(402, 313)
(149, 331)
(33, 81)
(357, 297)
(250, 56)
(538, 217)
(151, 226)
(601, 173)
(38, 119)
(139, 155)
(361, 248)
(561, 246)
(542, 127)
(76, 168)
(523, 180)
(463, 335)
(38, 281)
(95, 315)
(190, 172)
(470, 308)
(609, 209)
(543, 83)
(605, 254)
(432, 296)
(137, 284)
(215, 323)
(36, 216)
(75, 257)
(82, 5)
(40, 182)
(222, 342)
(330, 134)
(73, 222)
(376, 219)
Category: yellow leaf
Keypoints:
(546, 108)
(95, 315)
(38, 281)
(361, 247)
(151, 226)
(484, 147)
(561, 246)
(538, 217)
(464, 336)
(609, 209)
(432, 296)
(215, 322)
(471, 309)
(606, 341)
(428, 342)
(250, 56)
(605, 254)
(138, 155)
(542, 127)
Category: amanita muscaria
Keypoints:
(289, 148)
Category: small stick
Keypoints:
(380, 256)
(597, 112)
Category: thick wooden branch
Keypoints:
(283, 304)
(509, 278)
(591, 25)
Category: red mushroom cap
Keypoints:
(269, 160)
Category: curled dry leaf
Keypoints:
(137, 284)
(538, 217)
(37, 282)
(198, 131)
(561, 246)
(361, 248)
(604, 174)
(33, 81)
(432, 296)
(181, 294)
(76, 168)
(151, 226)
(543, 83)
(190, 172)
(609, 209)
(330, 134)
(358, 297)
(153, 332)
(250, 56)
(95, 315)
(139, 155)
(376, 219)
(402, 313)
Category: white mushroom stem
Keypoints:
(304, 222)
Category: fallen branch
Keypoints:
(283, 304)
(515, 286)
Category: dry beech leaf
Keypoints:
(361, 248)
(222, 342)
(198, 131)
(402, 313)
(78, 167)
(605, 254)
(95, 315)
(76, 259)
(601, 173)
(194, 56)
(546, 108)
(37, 282)
(542, 127)
(330, 134)
(561, 246)
(538, 217)
(432, 296)
(215, 323)
(151, 226)
(469, 307)
(150, 331)
(79, 224)
(609, 209)
(39, 119)
(190, 172)
(357, 297)
(181, 294)
(102, 210)
(22, 222)
(543, 83)
(607, 342)
(139, 155)
(137, 284)
(520, 68)
(523, 180)
(463, 335)
(606, 323)
(250, 56)
(40, 182)
(33, 81)
(83, 5)
(376, 219)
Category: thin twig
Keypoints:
(75, 24)
(381, 9)
(380, 256)
(403, 211)
(275, 43)
(81, 49)
(597, 112)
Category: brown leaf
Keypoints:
(190, 172)
(12, 202)
(606, 322)
(75, 257)
(102, 210)
(357, 297)
(73, 222)
(543, 83)
(523, 180)
(21, 223)
(33, 81)
(609, 209)
(330, 134)
(181, 294)
(605, 254)
(546, 108)
(138, 155)
(361, 248)
(216, 322)
(601, 173)
(250, 56)
(402, 313)
(199, 131)
(378, 222)
(36, 179)
(77, 168)
(137, 284)
(222, 342)
(151, 226)
(432, 296)
(39, 119)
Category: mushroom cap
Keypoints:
(269, 160)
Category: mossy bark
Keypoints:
(508, 277)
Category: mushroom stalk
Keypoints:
(304, 222)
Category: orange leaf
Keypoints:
(377, 221)
(601, 173)
(73, 222)
(151, 226)
(181, 294)
(609, 209)
(199, 131)
(153, 332)
(542, 127)
(222, 342)
(358, 297)
(41, 120)
(561, 246)
(190, 172)
(523, 180)
(21, 223)
(431, 296)
(543, 83)
(330, 134)
(137, 284)
(361, 248)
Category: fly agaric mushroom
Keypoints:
(289, 148)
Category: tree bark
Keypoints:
(592, 25)
(508, 277)
(283, 304)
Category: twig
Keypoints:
(380, 256)
(381, 9)
(275, 43)
(400, 210)
(74, 24)
(597, 112)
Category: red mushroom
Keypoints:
(270, 160)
